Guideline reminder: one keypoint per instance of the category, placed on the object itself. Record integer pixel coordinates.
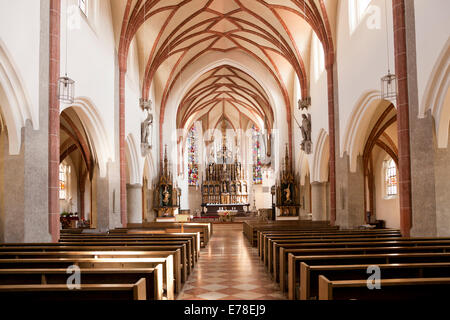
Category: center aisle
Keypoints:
(230, 269)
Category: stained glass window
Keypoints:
(390, 178)
(62, 182)
(257, 172)
(192, 154)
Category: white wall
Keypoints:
(361, 56)
(432, 34)
(19, 65)
(318, 108)
(91, 61)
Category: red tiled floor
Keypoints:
(230, 269)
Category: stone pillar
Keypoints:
(442, 178)
(319, 200)
(134, 203)
(349, 193)
(422, 146)
(23, 205)
(404, 155)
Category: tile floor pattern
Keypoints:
(230, 269)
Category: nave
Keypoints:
(229, 269)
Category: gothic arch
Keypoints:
(96, 131)
(14, 101)
(437, 96)
(132, 155)
(321, 157)
(353, 139)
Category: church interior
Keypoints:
(224, 149)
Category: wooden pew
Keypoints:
(309, 275)
(205, 229)
(118, 263)
(386, 258)
(280, 250)
(153, 278)
(392, 289)
(361, 250)
(193, 237)
(250, 228)
(182, 248)
(103, 254)
(280, 266)
(265, 238)
(268, 241)
(152, 225)
(60, 292)
(191, 253)
(268, 254)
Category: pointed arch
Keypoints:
(321, 156)
(437, 96)
(304, 167)
(14, 101)
(132, 156)
(148, 170)
(96, 131)
(354, 137)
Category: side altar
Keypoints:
(287, 191)
(166, 196)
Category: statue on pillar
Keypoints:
(146, 128)
(306, 144)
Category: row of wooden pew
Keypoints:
(135, 263)
(344, 264)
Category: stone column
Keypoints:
(134, 203)
(319, 200)
(349, 193)
(23, 205)
(422, 146)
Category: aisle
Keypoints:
(230, 269)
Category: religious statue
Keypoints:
(306, 133)
(224, 187)
(166, 195)
(145, 134)
(288, 193)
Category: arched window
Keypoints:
(357, 11)
(192, 154)
(62, 182)
(256, 140)
(390, 178)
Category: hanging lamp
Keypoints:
(388, 81)
(66, 86)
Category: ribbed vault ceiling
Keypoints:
(172, 34)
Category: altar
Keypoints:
(227, 215)
(224, 187)
(211, 209)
